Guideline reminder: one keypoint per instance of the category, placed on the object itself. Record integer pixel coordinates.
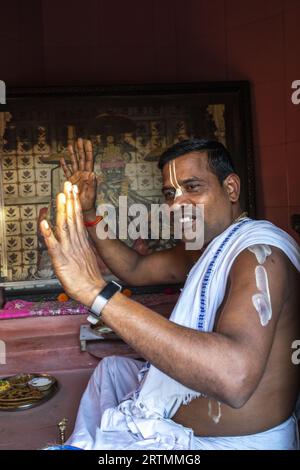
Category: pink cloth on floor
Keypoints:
(22, 308)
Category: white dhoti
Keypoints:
(113, 379)
(105, 419)
(117, 377)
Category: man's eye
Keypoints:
(193, 187)
(169, 194)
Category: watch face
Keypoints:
(110, 289)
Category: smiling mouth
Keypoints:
(184, 220)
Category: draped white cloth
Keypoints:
(133, 410)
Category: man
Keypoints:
(222, 366)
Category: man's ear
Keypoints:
(232, 185)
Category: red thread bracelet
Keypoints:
(93, 222)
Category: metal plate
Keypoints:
(20, 398)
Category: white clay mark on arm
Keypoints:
(262, 300)
(261, 252)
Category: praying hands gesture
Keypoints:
(73, 260)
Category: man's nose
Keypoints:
(179, 202)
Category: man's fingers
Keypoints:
(93, 179)
(81, 154)
(73, 158)
(81, 230)
(89, 159)
(70, 213)
(77, 208)
(50, 240)
(65, 168)
(61, 219)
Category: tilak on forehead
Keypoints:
(173, 179)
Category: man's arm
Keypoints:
(162, 267)
(226, 364)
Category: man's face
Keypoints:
(199, 185)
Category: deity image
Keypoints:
(110, 163)
(111, 160)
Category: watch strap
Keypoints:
(101, 300)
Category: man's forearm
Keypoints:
(119, 258)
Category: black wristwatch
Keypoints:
(101, 300)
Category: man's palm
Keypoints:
(86, 183)
(81, 173)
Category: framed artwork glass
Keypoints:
(129, 126)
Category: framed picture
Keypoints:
(129, 126)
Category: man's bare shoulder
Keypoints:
(271, 257)
(281, 275)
